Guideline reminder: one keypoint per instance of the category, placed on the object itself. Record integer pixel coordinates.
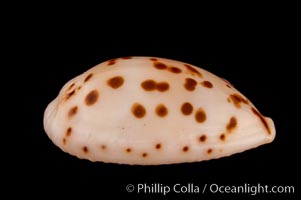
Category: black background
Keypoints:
(254, 58)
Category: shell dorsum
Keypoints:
(148, 111)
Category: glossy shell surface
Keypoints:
(149, 111)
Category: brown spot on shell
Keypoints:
(237, 100)
(190, 84)
(112, 61)
(207, 84)
(72, 111)
(91, 97)
(88, 77)
(262, 119)
(158, 146)
(85, 149)
(68, 132)
(232, 124)
(162, 87)
(228, 84)
(71, 86)
(185, 149)
(175, 70)
(115, 82)
(202, 138)
(222, 137)
(128, 150)
(200, 115)
(64, 141)
(70, 94)
(160, 65)
(151, 85)
(138, 110)
(161, 110)
(126, 57)
(148, 85)
(103, 147)
(186, 108)
(209, 151)
(144, 155)
(193, 71)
